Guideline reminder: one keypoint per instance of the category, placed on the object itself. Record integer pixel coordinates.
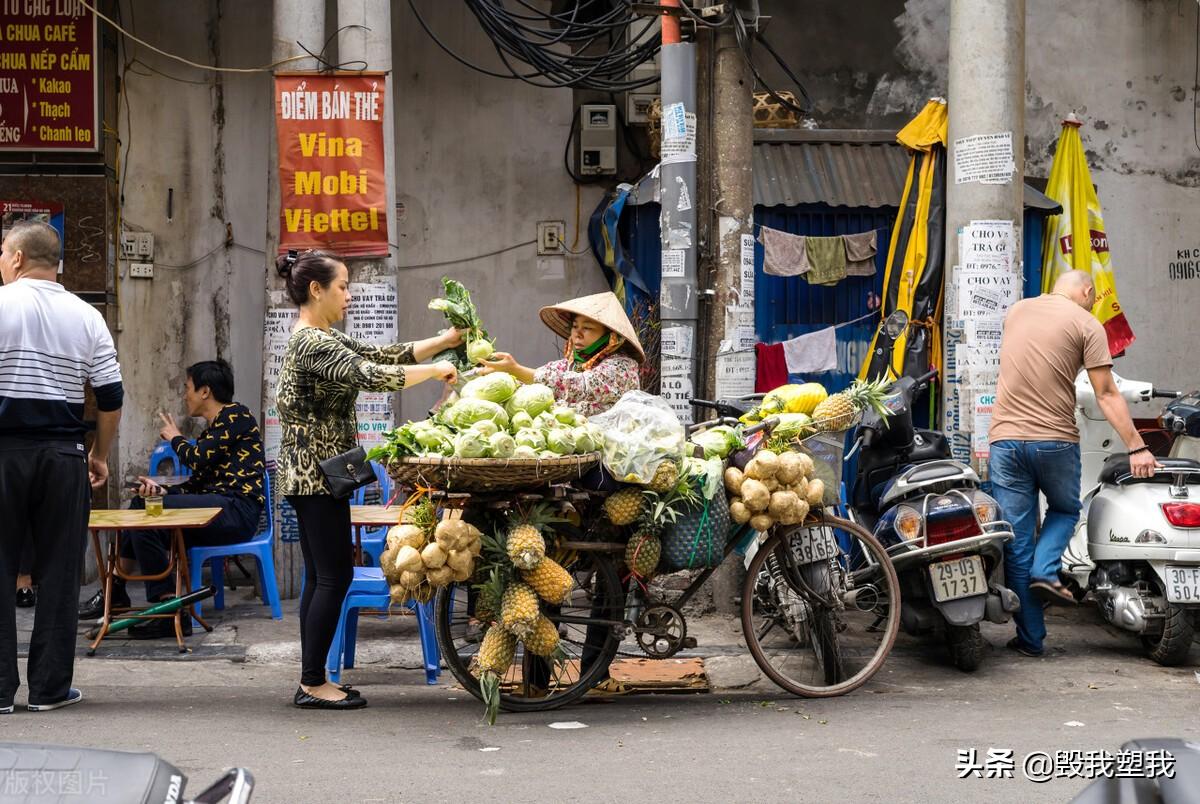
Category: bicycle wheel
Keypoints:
(820, 607)
(589, 624)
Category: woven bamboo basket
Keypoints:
(489, 474)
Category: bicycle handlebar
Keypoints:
(1159, 393)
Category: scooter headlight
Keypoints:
(908, 523)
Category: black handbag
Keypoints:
(346, 472)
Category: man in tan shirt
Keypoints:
(1035, 443)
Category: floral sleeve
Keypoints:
(329, 357)
(392, 354)
(593, 391)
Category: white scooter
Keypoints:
(1136, 550)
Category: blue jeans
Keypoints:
(1019, 470)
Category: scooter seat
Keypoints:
(1117, 468)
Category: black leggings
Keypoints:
(328, 569)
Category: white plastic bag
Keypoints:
(639, 432)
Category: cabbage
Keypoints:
(546, 421)
(560, 441)
(525, 453)
(533, 399)
(486, 426)
(718, 442)
(495, 387)
(433, 441)
(792, 426)
(520, 421)
(564, 415)
(530, 438)
(465, 412)
(583, 440)
(470, 444)
(501, 445)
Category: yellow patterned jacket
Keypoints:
(227, 457)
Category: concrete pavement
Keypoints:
(894, 740)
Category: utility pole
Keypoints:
(987, 110)
(731, 149)
(292, 21)
(679, 293)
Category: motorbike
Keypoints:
(944, 534)
(1136, 549)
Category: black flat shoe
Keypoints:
(305, 701)
(26, 598)
(159, 629)
(349, 690)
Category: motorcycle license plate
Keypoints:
(1183, 584)
(956, 579)
(813, 544)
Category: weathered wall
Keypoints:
(478, 163)
(204, 138)
(1125, 66)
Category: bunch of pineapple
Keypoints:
(421, 555)
(522, 576)
(649, 512)
(838, 411)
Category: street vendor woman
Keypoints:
(602, 358)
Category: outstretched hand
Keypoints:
(169, 429)
(498, 361)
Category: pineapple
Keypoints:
(839, 410)
(519, 609)
(665, 477)
(496, 654)
(624, 507)
(550, 581)
(525, 545)
(543, 641)
(642, 553)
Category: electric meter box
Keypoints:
(597, 139)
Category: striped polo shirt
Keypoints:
(51, 344)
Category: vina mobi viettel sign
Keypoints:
(332, 179)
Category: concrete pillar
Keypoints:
(987, 96)
(370, 42)
(733, 198)
(292, 21)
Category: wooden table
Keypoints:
(176, 520)
(370, 516)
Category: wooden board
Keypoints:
(136, 519)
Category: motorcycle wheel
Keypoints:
(1171, 647)
(967, 646)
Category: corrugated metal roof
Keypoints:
(855, 173)
(863, 169)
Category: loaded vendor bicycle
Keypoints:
(562, 583)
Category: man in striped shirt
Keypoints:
(51, 344)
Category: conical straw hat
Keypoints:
(604, 308)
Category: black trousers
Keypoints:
(44, 498)
(151, 548)
(328, 551)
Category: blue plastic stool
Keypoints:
(261, 547)
(369, 589)
(163, 451)
(373, 539)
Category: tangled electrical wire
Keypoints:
(595, 45)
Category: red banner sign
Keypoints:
(48, 96)
(332, 178)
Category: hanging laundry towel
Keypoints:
(784, 253)
(772, 367)
(860, 253)
(827, 256)
(811, 353)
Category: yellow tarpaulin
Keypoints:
(1076, 240)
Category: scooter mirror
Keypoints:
(895, 324)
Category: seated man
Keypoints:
(227, 473)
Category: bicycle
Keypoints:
(820, 602)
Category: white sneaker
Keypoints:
(73, 697)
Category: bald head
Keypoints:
(30, 248)
(1078, 287)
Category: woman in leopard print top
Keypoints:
(322, 374)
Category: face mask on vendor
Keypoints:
(587, 338)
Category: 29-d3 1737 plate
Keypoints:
(962, 577)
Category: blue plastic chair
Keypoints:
(374, 539)
(261, 547)
(163, 451)
(369, 589)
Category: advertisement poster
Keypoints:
(45, 211)
(332, 181)
(48, 92)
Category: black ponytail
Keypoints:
(301, 269)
